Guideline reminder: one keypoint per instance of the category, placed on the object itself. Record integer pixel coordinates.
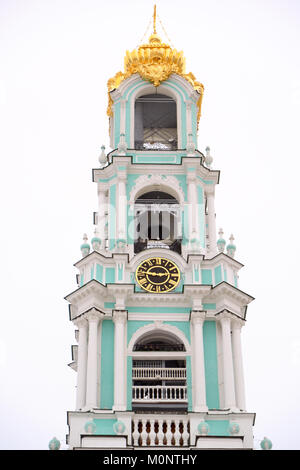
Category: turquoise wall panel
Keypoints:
(218, 274)
(104, 427)
(184, 326)
(107, 365)
(218, 428)
(211, 364)
(99, 273)
(133, 326)
(201, 215)
(206, 276)
(117, 121)
(110, 275)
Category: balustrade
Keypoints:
(160, 431)
(161, 393)
(159, 373)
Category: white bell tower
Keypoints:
(158, 312)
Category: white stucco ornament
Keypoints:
(203, 428)
(102, 157)
(85, 247)
(119, 427)
(234, 428)
(90, 427)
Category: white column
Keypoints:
(199, 396)
(93, 318)
(122, 206)
(101, 216)
(119, 319)
(228, 375)
(212, 232)
(82, 325)
(238, 365)
(192, 201)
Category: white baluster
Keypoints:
(144, 433)
(177, 434)
(160, 433)
(185, 434)
(152, 434)
(136, 434)
(168, 433)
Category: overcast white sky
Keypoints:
(56, 57)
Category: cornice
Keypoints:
(227, 289)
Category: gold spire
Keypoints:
(155, 62)
(154, 20)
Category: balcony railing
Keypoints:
(160, 431)
(159, 373)
(159, 393)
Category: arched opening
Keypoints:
(157, 217)
(155, 125)
(159, 376)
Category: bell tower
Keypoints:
(158, 311)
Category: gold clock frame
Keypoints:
(167, 268)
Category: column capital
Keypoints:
(120, 316)
(94, 315)
(198, 316)
(237, 323)
(224, 315)
(80, 322)
(209, 190)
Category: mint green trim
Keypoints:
(189, 383)
(211, 364)
(235, 281)
(129, 383)
(218, 427)
(209, 306)
(106, 180)
(112, 216)
(81, 279)
(104, 426)
(194, 112)
(107, 365)
(206, 276)
(110, 275)
(122, 167)
(109, 304)
(183, 184)
(131, 180)
(99, 273)
(158, 309)
(133, 326)
(156, 159)
(218, 274)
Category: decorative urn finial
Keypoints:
(102, 157)
(221, 242)
(85, 247)
(54, 444)
(231, 248)
(266, 444)
(208, 157)
(96, 241)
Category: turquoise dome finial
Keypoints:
(54, 444)
(85, 247)
(231, 248)
(266, 444)
(221, 242)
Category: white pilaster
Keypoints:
(93, 318)
(101, 216)
(122, 206)
(192, 208)
(82, 326)
(238, 364)
(228, 374)
(212, 231)
(199, 396)
(119, 319)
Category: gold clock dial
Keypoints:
(157, 275)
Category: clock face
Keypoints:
(157, 275)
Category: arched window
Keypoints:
(157, 216)
(155, 123)
(159, 380)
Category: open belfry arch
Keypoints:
(158, 310)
